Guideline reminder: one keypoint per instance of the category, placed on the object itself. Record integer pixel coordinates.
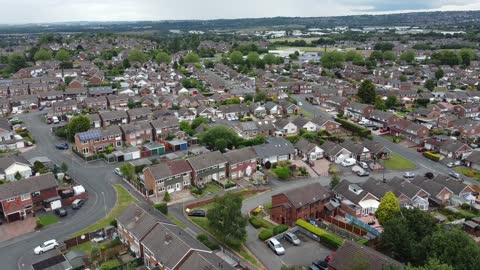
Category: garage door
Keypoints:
(283, 158)
(14, 217)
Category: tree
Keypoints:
(42, 55)
(334, 181)
(166, 197)
(430, 84)
(408, 56)
(199, 121)
(127, 170)
(389, 56)
(16, 61)
(380, 104)
(126, 63)
(185, 127)
(62, 55)
(391, 102)
(64, 167)
(261, 96)
(220, 137)
(283, 172)
(209, 64)
(466, 56)
(384, 46)
(163, 57)
(226, 219)
(78, 124)
(17, 176)
(332, 60)
(137, 56)
(269, 59)
(439, 74)
(236, 58)
(432, 264)
(388, 208)
(366, 92)
(253, 58)
(403, 78)
(191, 58)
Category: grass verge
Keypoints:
(397, 162)
(46, 220)
(177, 221)
(468, 172)
(124, 199)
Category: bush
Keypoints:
(256, 223)
(114, 223)
(279, 229)
(229, 184)
(166, 197)
(265, 234)
(162, 207)
(432, 156)
(328, 239)
(282, 173)
(204, 239)
(39, 224)
(354, 128)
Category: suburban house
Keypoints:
(285, 127)
(163, 126)
(308, 151)
(96, 141)
(439, 194)
(21, 198)
(137, 133)
(95, 104)
(467, 110)
(345, 256)
(63, 108)
(307, 202)
(185, 114)
(241, 162)
(169, 176)
(335, 152)
(383, 119)
(324, 123)
(139, 114)
(459, 188)
(358, 110)
(119, 102)
(8, 139)
(355, 200)
(209, 167)
(304, 123)
(275, 150)
(113, 118)
(409, 194)
(414, 132)
(288, 108)
(10, 165)
(473, 160)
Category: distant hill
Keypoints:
(447, 19)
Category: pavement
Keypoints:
(96, 177)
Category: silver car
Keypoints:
(292, 238)
(276, 246)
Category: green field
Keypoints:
(397, 162)
(290, 39)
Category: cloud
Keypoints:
(27, 11)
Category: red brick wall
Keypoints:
(242, 167)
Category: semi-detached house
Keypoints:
(168, 176)
(209, 167)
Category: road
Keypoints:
(97, 178)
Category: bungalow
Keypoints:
(426, 117)
(273, 109)
(383, 119)
(288, 108)
(304, 123)
(137, 133)
(9, 140)
(439, 194)
(185, 114)
(11, 165)
(410, 130)
(21, 198)
(168, 176)
(473, 160)
(275, 150)
(355, 200)
(308, 151)
(455, 149)
(205, 112)
(334, 152)
(241, 162)
(285, 127)
(409, 194)
(307, 202)
(209, 167)
(457, 187)
(324, 123)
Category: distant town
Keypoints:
(342, 143)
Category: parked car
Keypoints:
(98, 239)
(197, 213)
(276, 246)
(363, 173)
(49, 121)
(61, 212)
(46, 246)
(421, 149)
(383, 130)
(77, 204)
(375, 128)
(292, 238)
(61, 146)
(363, 164)
(455, 175)
(348, 162)
(322, 265)
(117, 171)
(409, 175)
(457, 162)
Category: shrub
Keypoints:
(354, 128)
(283, 172)
(432, 156)
(39, 224)
(265, 234)
(279, 229)
(114, 223)
(256, 223)
(328, 239)
(162, 207)
(204, 239)
(229, 184)
(166, 197)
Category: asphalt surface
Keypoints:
(97, 178)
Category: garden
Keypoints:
(285, 170)
(396, 162)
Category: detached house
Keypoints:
(410, 130)
(11, 165)
(241, 162)
(168, 176)
(327, 124)
(304, 123)
(307, 202)
(439, 194)
(355, 200)
(308, 151)
(209, 167)
(285, 127)
(275, 150)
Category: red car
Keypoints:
(421, 149)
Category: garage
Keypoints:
(14, 217)
(283, 158)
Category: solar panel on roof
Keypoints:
(90, 135)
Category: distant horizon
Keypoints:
(117, 11)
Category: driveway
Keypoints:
(17, 228)
(321, 166)
(301, 163)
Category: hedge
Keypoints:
(432, 156)
(204, 239)
(265, 234)
(326, 238)
(354, 128)
(279, 229)
(260, 222)
(162, 207)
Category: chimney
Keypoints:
(168, 238)
(138, 213)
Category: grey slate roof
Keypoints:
(274, 147)
(207, 160)
(307, 194)
(343, 189)
(7, 161)
(136, 221)
(401, 186)
(27, 186)
(430, 186)
(240, 155)
(204, 260)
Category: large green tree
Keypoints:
(367, 92)
(163, 57)
(226, 219)
(430, 84)
(269, 59)
(236, 58)
(439, 74)
(191, 58)
(137, 56)
(389, 207)
(432, 264)
(220, 137)
(42, 55)
(127, 170)
(253, 58)
(62, 55)
(16, 61)
(408, 56)
(78, 124)
(333, 59)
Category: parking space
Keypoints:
(304, 254)
(321, 166)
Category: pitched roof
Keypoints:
(344, 189)
(136, 221)
(27, 186)
(7, 161)
(207, 160)
(307, 194)
(169, 168)
(304, 145)
(240, 155)
(401, 186)
(456, 186)
(346, 255)
(274, 147)
(430, 186)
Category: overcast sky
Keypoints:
(28, 11)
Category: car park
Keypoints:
(77, 204)
(61, 146)
(363, 173)
(292, 238)
(46, 246)
(409, 175)
(197, 213)
(61, 212)
(348, 162)
(275, 245)
(455, 175)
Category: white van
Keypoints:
(55, 120)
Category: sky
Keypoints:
(44, 11)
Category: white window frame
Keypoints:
(25, 197)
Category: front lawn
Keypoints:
(397, 163)
(86, 247)
(46, 220)
(124, 199)
(468, 172)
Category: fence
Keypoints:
(360, 223)
(75, 241)
(344, 226)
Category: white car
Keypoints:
(117, 171)
(348, 162)
(292, 238)
(409, 175)
(276, 246)
(300, 104)
(48, 245)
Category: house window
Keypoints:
(10, 199)
(36, 194)
(186, 182)
(25, 197)
(147, 263)
(159, 181)
(86, 150)
(161, 189)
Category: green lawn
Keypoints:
(306, 114)
(212, 188)
(468, 172)
(86, 247)
(49, 219)
(177, 221)
(397, 162)
(111, 264)
(124, 199)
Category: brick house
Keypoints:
(410, 130)
(383, 119)
(467, 110)
(139, 114)
(329, 125)
(209, 167)
(18, 90)
(96, 103)
(447, 120)
(241, 162)
(168, 176)
(96, 141)
(113, 118)
(63, 108)
(358, 110)
(137, 133)
(300, 203)
(355, 200)
(20, 198)
(48, 98)
(119, 102)
(439, 194)
(163, 126)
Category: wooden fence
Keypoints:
(342, 225)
